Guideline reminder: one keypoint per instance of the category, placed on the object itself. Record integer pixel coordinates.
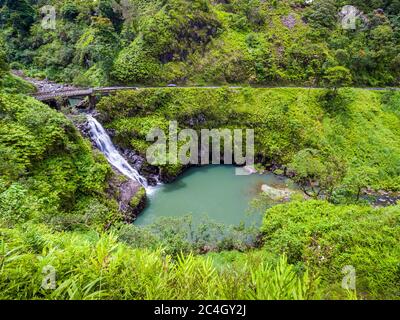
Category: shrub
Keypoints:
(326, 238)
(183, 235)
(95, 266)
(47, 169)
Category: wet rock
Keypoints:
(382, 198)
(84, 128)
(151, 173)
(129, 195)
(276, 194)
(168, 177)
(133, 158)
(84, 104)
(197, 120)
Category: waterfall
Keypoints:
(104, 143)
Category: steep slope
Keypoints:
(203, 41)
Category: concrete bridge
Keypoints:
(77, 93)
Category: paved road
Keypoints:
(70, 93)
(48, 90)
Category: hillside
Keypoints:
(203, 41)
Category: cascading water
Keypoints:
(104, 143)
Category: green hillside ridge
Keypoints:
(157, 42)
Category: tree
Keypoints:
(317, 174)
(361, 178)
(20, 14)
(99, 44)
(322, 16)
(337, 77)
(70, 11)
(3, 62)
(114, 11)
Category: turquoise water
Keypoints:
(214, 191)
(74, 101)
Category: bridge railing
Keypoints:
(77, 93)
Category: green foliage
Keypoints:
(356, 129)
(70, 11)
(97, 44)
(3, 62)
(205, 42)
(16, 85)
(94, 266)
(322, 15)
(54, 202)
(337, 77)
(47, 169)
(19, 14)
(181, 28)
(361, 178)
(135, 64)
(138, 198)
(316, 173)
(326, 238)
(4, 67)
(183, 235)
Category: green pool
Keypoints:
(215, 191)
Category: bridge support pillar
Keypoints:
(92, 102)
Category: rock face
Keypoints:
(151, 173)
(83, 128)
(130, 195)
(289, 21)
(276, 194)
(382, 198)
(44, 85)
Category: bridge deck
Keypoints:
(45, 96)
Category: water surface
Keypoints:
(212, 190)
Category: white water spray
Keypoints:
(104, 143)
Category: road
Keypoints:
(48, 90)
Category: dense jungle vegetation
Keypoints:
(56, 207)
(204, 41)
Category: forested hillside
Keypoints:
(204, 41)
